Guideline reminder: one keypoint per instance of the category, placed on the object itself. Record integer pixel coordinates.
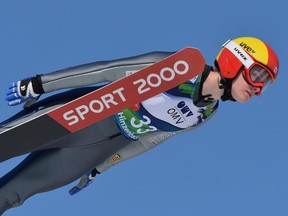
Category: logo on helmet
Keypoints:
(247, 48)
(241, 54)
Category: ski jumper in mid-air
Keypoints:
(243, 68)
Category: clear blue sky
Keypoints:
(234, 165)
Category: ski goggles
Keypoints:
(254, 73)
(258, 76)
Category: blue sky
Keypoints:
(234, 165)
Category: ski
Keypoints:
(102, 103)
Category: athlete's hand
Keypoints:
(85, 181)
(27, 90)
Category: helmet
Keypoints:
(254, 58)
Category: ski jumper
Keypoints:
(106, 143)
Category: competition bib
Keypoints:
(133, 124)
(178, 113)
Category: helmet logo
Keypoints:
(240, 53)
(247, 48)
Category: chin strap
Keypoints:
(226, 84)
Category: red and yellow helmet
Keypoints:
(256, 59)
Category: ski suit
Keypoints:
(104, 144)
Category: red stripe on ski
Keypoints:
(144, 84)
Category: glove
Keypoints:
(85, 181)
(27, 90)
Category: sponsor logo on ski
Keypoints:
(94, 106)
(119, 95)
(168, 74)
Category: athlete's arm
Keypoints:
(98, 72)
(30, 89)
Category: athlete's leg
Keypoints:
(49, 169)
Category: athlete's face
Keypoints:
(241, 90)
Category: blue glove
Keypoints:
(85, 181)
(27, 90)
